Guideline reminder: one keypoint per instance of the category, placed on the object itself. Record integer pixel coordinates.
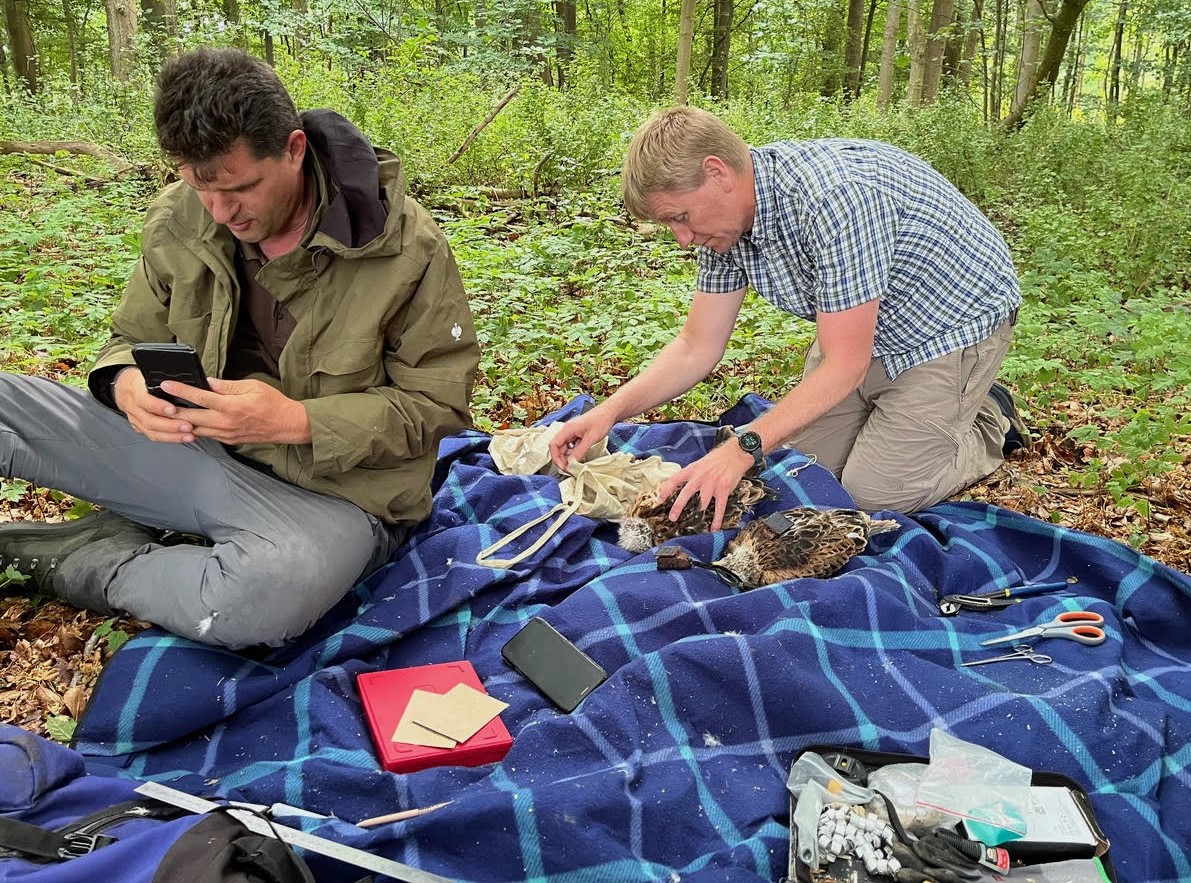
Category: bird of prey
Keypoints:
(801, 542)
(647, 522)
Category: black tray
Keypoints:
(852, 870)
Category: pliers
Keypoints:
(952, 604)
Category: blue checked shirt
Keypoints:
(841, 222)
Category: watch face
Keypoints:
(752, 445)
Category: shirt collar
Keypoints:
(764, 216)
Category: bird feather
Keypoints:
(800, 542)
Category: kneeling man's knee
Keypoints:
(873, 493)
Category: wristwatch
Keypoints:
(750, 443)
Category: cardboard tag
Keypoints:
(463, 713)
(442, 720)
(410, 730)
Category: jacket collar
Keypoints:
(352, 211)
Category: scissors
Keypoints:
(1074, 625)
(1020, 651)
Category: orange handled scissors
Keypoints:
(1083, 626)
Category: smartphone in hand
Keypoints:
(170, 361)
(563, 672)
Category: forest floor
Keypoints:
(51, 654)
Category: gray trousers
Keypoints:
(281, 555)
(909, 443)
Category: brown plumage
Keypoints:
(798, 543)
(647, 523)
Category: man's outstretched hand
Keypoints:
(575, 438)
(711, 479)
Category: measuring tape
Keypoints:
(293, 836)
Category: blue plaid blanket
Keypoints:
(675, 768)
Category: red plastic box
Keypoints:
(385, 695)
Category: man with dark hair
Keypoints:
(329, 314)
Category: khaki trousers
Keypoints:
(909, 443)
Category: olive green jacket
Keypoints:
(383, 355)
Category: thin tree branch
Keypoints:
(484, 122)
(49, 148)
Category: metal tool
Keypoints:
(293, 836)
(677, 558)
(1074, 625)
(952, 604)
(1021, 651)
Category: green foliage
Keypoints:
(116, 638)
(65, 254)
(10, 576)
(572, 296)
(60, 727)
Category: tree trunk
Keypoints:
(1135, 73)
(867, 41)
(160, 20)
(893, 14)
(72, 41)
(973, 40)
(916, 41)
(302, 8)
(1114, 58)
(1046, 72)
(235, 21)
(1027, 60)
(122, 17)
(20, 42)
(941, 17)
(721, 44)
(853, 48)
(565, 53)
(952, 50)
(1170, 58)
(831, 48)
(686, 39)
(1073, 68)
(998, 63)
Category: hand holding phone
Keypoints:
(563, 672)
(169, 361)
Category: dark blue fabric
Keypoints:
(675, 768)
(43, 784)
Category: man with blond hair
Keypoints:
(912, 291)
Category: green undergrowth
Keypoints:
(571, 295)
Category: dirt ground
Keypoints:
(51, 655)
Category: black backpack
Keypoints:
(60, 825)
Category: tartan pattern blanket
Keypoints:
(675, 768)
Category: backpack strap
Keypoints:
(31, 840)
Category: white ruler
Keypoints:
(293, 836)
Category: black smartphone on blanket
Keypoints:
(170, 361)
(563, 672)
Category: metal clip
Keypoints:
(78, 845)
